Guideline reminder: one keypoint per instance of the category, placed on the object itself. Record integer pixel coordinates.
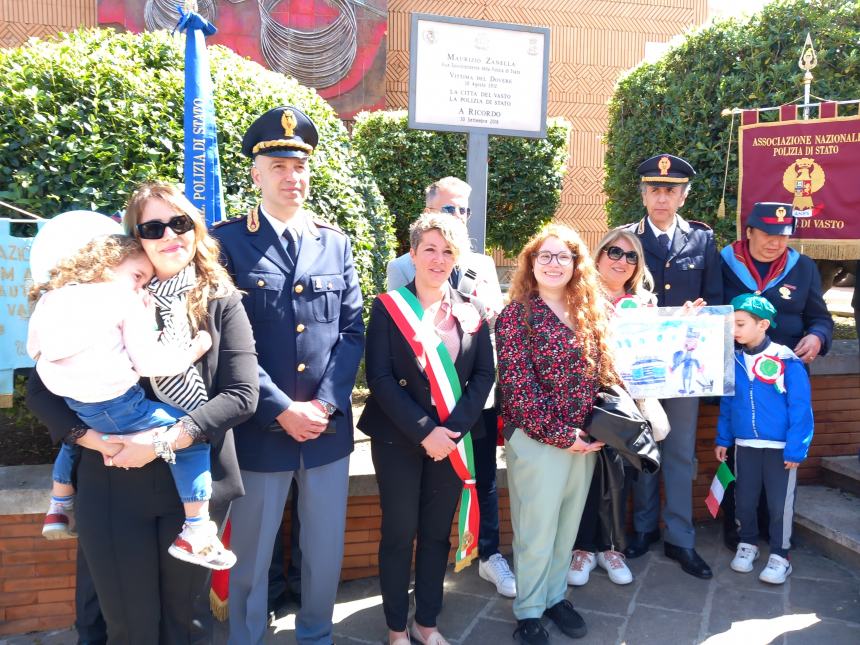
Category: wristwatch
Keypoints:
(163, 448)
(327, 407)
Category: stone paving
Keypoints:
(819, 604)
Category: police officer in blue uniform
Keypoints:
(304, 303)
(763, 264)
(682, 257)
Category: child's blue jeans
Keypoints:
(132, 412)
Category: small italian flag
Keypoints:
(722, 479)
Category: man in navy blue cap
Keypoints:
(304, 303)
(682, 257)
(763, 264)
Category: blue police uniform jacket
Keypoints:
(795, 294)
(309, 334)
(690, 270)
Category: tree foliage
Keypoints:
(86, 117)
(674, 104)
(524, 175)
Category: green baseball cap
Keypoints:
(756, 305)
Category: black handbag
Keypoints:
(617, 422)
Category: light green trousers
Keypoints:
(547, 487)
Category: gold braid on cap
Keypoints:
(667, 180)
(281, 143)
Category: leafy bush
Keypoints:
(88, 116)
(523, 186)
(674, 104)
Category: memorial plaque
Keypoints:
(478, 76)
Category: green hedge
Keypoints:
(674, 104)
(86, 117)
(523, 186)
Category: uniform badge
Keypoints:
(253, 221)
(664, 164)
(289, 123)
(785, 292)
(780, 214)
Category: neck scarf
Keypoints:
(185, 390)
(741, 250)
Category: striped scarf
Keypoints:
(186, 390)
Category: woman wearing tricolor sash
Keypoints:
(429, 365)
(553, 359)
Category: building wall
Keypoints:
(21, 19)
(593, 42)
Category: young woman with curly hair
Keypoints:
(128, 510)
(553, 358)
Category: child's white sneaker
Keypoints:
(582, 564)
(613, 563)
(744, 558)
(776, 571)
(59, 522)
(201, 546)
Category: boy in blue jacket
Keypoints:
(769, 421)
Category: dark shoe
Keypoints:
(691, 562)
(731, 538)
(566, 619)
(640, 542)
(531, 632)
(278, 608)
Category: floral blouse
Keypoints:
(545, 384)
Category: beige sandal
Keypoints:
(434, 639)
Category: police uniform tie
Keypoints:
(290, 245)
(455, 276)
(663, 241)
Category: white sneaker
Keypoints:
(201, 546)
(613, 563)
(59, 522)
(581, 566)
(776, 571)
(744, 558)
(497, 571)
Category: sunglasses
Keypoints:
(463, 211)
(155, 230)
(563, 258)
(616, 253)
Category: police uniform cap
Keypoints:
(774, 218)
(756, 305)
(281, 132)
(665, 170)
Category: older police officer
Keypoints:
(682, 257)
(304, 303)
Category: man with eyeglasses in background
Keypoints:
(474, 277)
(682, 258)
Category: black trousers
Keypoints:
(484, 451)
(760, 469)
(89, 623)
(590, 536)
(279, 581)
(126, 521)
(418, 498)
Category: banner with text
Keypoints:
(812, 164)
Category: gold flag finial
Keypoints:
(808, 58)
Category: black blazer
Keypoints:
(230, 373)
(399, 408)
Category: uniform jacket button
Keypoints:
(668, 264)
(300, 367)
(261, 283)
(299, 288)
(402, 382)
(668, 286)
(300, 328)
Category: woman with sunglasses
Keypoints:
(624, 279)
(553, 359)
(128, 510)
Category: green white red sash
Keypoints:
(407, 313)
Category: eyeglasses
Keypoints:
(616, 253)
(463, 211)
(545, 257)
(155, 230)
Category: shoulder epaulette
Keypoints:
(697, 224)
(232, 220)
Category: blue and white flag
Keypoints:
(202, 170)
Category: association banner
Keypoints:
(812, 164)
